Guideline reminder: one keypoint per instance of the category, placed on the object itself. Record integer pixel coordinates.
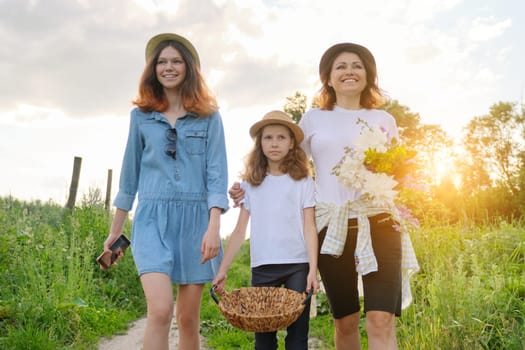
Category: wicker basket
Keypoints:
(261, 309)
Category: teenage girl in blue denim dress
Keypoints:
(175, 160)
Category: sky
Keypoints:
(69, 70)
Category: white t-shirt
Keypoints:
(326, 134)
(276, 214)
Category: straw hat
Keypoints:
(157, 39)
(278, 117)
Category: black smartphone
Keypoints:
(106, 259)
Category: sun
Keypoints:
(441, 166)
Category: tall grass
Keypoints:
(52, 294)
(469, 294)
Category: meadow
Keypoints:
(469, 294)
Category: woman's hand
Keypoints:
(236, 194)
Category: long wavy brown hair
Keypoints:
(295, 163)
(371, 97)
(195, 94)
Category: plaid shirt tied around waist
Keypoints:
(335, 218)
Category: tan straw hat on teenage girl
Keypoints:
(157, 39)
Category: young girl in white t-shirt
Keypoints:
(279, 198)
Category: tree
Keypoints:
(295, 106)
(473, 173)
(407, 122)
(495, 142)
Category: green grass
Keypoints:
(469, 294)
(53, 295)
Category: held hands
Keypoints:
(236, 194)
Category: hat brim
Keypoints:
(296, 129)
(157, 39)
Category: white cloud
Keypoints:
(483, 29)
(24, 114)
(422, 53)
(422, 11)
(157, 6)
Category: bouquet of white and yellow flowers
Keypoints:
(378, 169)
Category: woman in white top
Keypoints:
(279, 198)
(350, 93)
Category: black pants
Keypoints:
(291, 276)
(382, 289)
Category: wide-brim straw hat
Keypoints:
(157, 39)
(281, 118)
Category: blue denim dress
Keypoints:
(174, 195)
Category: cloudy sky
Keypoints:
(69, 69)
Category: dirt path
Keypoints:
(132, 340)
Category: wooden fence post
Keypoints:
(74, 183)
(107, 203)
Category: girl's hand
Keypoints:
(115, 231)
(211, 243)
(112, 237)
(236, 194)
(218, 282)
(312, 282)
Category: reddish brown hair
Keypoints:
(195, 94)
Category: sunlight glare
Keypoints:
(442, 167)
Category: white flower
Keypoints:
(350, 166)
(371, 137)
(379, 187)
